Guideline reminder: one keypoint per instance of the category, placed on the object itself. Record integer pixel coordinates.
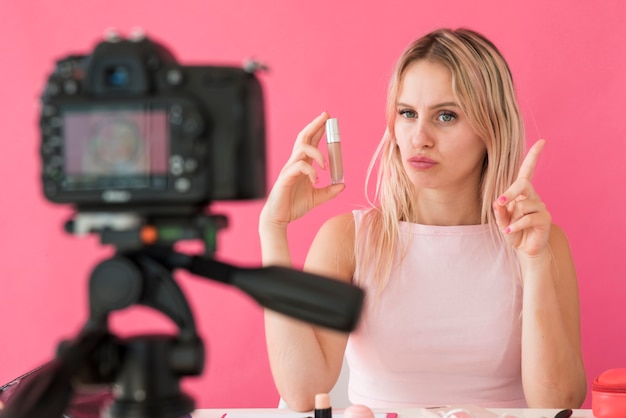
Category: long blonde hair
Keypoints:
(483, 86)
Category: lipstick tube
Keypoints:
(322, 406)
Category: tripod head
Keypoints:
(144, 371)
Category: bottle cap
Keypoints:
(332, 131)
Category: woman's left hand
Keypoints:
(520, 213)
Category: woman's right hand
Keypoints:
(294, 192)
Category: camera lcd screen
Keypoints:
(106, 148)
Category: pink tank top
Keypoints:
(446, 329)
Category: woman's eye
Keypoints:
(407, 114)
(446, 117)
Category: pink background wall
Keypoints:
(569, 62)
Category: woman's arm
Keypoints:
(306, 360)
(553, 373)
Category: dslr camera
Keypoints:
(128, 128)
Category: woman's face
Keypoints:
(438, 147)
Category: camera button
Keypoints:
(182, 185)
(66, 68)
(47, 149)
(176, 119)
(176, 165)
(56, 122)
(52, 169)
(191, 165)
(46, 129)
(53, 89)
(49, 110)
(70, 87)
(174, 77)
(191, 125)
(54, 141)
(176, 115)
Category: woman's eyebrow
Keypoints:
(435, 106)
(444, 104)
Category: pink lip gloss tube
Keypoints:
(333, 143)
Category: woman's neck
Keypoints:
(435, 207)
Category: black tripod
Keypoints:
(144, 371)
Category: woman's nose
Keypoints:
(421, 136)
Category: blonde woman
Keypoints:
(472, 295)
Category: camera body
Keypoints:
(129, 128)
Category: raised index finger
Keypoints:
(527, 168)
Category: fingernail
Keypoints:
(507, 230)
(502, 199)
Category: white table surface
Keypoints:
(402, 413)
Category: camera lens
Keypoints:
(117, 76)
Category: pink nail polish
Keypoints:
(507, 230)
(502, 199)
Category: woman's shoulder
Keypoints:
(339, 225)
(332, 250)
(346, 222)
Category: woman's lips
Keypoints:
(422, 163)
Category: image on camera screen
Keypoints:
(123, 148)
